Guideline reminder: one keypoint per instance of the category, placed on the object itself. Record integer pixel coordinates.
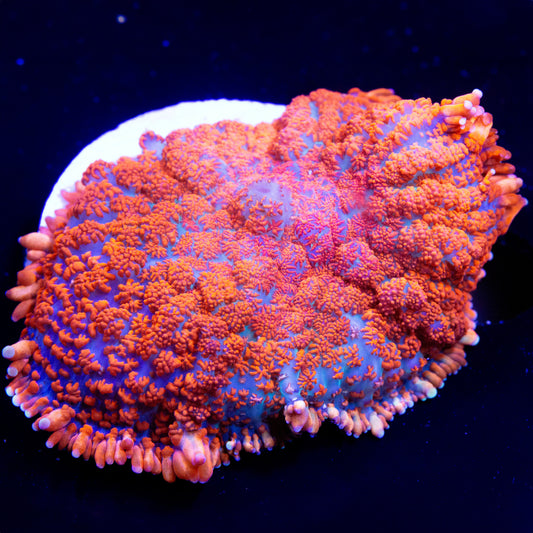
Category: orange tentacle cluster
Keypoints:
(319, 267)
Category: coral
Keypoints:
(319, 267)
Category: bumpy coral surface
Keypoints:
(316, 268)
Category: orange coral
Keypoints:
(320, 267)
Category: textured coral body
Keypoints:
(316, 268)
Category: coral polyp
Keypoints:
(316, 268)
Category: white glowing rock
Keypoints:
(124, 140)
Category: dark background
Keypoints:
(69, 71)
